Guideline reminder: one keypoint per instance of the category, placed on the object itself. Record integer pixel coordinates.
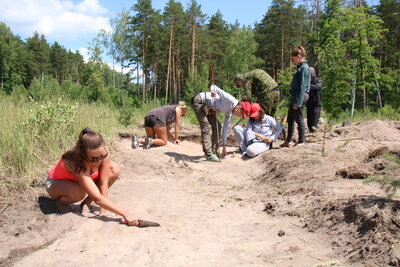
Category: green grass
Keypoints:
(34, 135)
(386, 113)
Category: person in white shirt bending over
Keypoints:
(206, 105)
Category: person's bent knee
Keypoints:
(251, 153)
(79, 195)
(238, 129)
(115, 170)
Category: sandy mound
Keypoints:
(363, 228)
(364, 225)
(376, 130)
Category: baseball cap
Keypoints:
(254, 108)
(246, 109)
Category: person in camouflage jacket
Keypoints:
(261, 88)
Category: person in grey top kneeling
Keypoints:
(261, 131)
(157, 123)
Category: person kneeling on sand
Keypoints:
(206, 105)
(261, 131)
(157, 123)
(86, 169)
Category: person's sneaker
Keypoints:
(213, 157)
(242, 152)
(285, 145)
(300, 144)
(147, 143)
(135, 142)
(220, 156)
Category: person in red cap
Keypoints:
(260, 132)
(205, 106)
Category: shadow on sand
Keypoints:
(178, 157)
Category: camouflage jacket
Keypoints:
(257, 84)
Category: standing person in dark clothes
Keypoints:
(299, 96)
(314, 102)
(261, 88)
(156, 124)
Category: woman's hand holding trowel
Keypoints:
(142, 223)
(129, 219)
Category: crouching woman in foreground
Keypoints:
(86, 169)
(261, 131)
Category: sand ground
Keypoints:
(287, 207)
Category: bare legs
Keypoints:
(158, 134)
(68, 192)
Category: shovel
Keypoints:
(143, 223)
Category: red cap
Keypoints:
(255, 107)
(246, 109)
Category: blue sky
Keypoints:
(74, 23)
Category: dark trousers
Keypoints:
(298, 117)
(313, 114)
(209, 125)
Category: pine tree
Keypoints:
(282, 28)
(144, 25)
(38, 61)
(58, 62)
(239, 55)
(218, 35)
(196, 21)
(174, 19)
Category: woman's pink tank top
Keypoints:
(59, 172)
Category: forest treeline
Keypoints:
(178, 50)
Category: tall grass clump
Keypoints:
(34, 134)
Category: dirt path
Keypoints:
(211, 215)
(230, 213)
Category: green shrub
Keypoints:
(196, 83)
(44, 88)
(125, 116)
(72, 90)
(387, 112)
(48, 117)
(19, 93)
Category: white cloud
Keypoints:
(56, 19)
(90, 7)
(84, 53)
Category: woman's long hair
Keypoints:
(88, 139)
(261, 114)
